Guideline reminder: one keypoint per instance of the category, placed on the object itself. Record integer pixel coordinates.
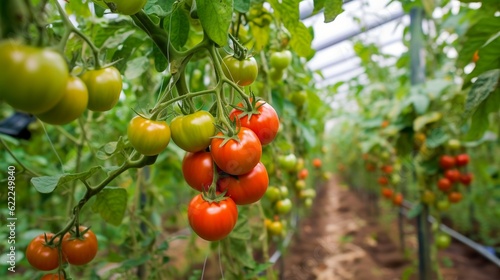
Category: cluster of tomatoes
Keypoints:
(453, 171)
(77, 248)
(37, 81)
(387, 190)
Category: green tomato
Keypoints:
(428, 197)
(299, 98)
(193, 132)
(307, 193)
(284, 191)
(454, 144)
(276, 75)
(71, 106)
(273, 193)
(104, 86)
(243, 72)
(287, 162)
(300, 184)
(281, 60)
(443, 205)
(283, 206)
(442, 240)
(33, 79)
(274, 227)
(308, 202)
(148, 137)
(126, 7)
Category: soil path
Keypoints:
(341, 239)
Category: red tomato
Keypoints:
(303, 174)
(41, 256)
(397, 199)
(263, 120)
(317, 162)
(198, 170)
(452, 174)
(247, 188)
(370, 167)
(237, 157)
(53, 276)
(462, 159)
(383, 181)
(466, 179)
(444, 184)
(454, 197)
(387, 169)
(212, 221)
(447, 162)
(80, 250)
(387, 192)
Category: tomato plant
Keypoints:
(148, 137)
(81, 248)
(42, 255)
(71, 106)
(262, 120)
(104, 87)
(33, 79)
(126, 7)
(247, 188)
(237, 156)
(192, 132)
(243, 72)
(197, 169)
(212, 221)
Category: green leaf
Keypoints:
(136, 67)
(480, 119)
(481, 89)
(215, 18)
(242, 6)
(415, 211)
(421, 121)
(111, 204)
(177, 26)
(436, 138)
(333, 8)
(47, 184)
(420, 102)
(161, 63)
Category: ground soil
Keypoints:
(345, 238)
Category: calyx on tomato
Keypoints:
(260, 117)
(193, 132)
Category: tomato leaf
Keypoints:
(242, 6)
(436, 138)
(480, 119)
(177, 27)
(215, 18)
(415, 211)
(421, 121)
(111, 204)
(333, 8)
(480, 91)
(47, 184)
(136, 67)
(161, 62)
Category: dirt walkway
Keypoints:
(341, 240)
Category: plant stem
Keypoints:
(9, 151)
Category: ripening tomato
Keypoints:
(42, 256)
(126, 7)
(243, 72)
(247, 188)
(385, 123)
(148, 137)
(300, 184)
(53, 276)
(454, 197)
(452, 174)
(274, 227)
(428, 197)
(303, 174)
(283, 206)
(442, 240)
(71, 106)
(32, 79)
(383, 181)
(397, 199)
(281, 60)
(475, 56)
(444, 184)
(370, 167)
(192, 132)
(387, 169)
(466, 179)
(80, 250)
(212, 221)
(237, 157)
(198, 170)
(104, 86)
(317, 162)
(443, 205)
(387, 192)
(447, 162)
(454, 144)
(462, 159)
(307, 193)
(263, 120)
